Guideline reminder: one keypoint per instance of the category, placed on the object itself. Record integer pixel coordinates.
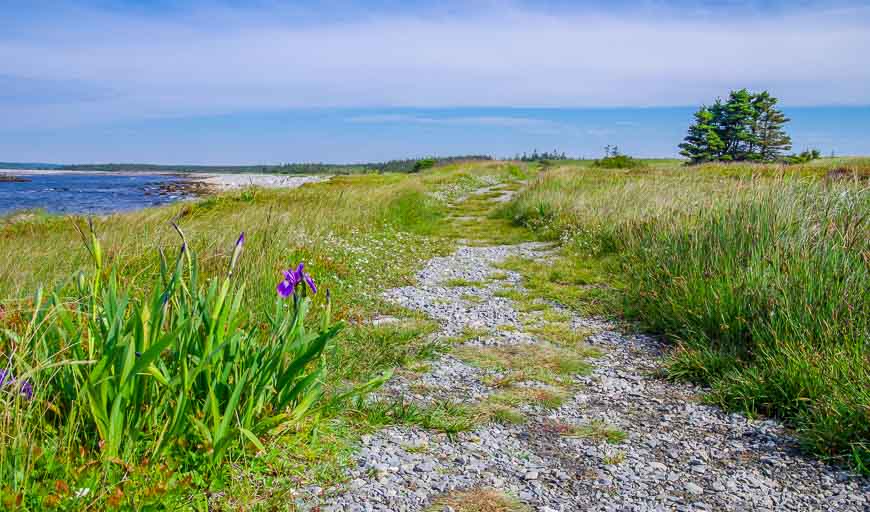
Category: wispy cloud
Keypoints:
(122, 64)
(532, 125)
(600, 132)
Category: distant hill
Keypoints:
(407, 165)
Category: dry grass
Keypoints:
(525, 358)
(478, 500)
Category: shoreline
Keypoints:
(198, 183)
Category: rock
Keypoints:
(693, 488)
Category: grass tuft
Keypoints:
(478, 500)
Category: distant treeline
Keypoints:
(27, 165)
(407, 165)
(534, 156)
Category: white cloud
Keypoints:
(147, 67)
(533, 125)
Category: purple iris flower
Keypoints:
(294, 278)
(288, 285)
(7, 378)
(310, 282)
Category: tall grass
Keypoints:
(130, 378)
(156, 376)
(762, 279)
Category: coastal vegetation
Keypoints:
(158, 356)
(140, 367)
(757, 272)
(745, 127)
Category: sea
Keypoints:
(85, 193)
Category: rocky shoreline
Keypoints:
(11, 178)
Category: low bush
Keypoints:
(617, 162)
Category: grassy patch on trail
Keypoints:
(614, 458)
(458, 282)
(478, 500)
(758, 272)
(386, 346)
(467, 334)
(596, 429)
(561, 333)
(500, 413)
(583, 284)
(526, 359)
(474, 299)
(476, 221)
(441, 416)
(548, 397)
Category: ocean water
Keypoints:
(85, 193)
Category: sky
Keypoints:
(237, 82)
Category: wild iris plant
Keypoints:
(180, 372)
(293, 279)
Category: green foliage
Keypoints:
(179, 374)
(703, 143)
(617, 162)
(426, 163)
(803, 157)
(747, 127)
(415, 211)
(767, 138)
(360, 235)
(534, 156)
(760, 278)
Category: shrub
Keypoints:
(425, 163)
(616, 161)
(803, 157)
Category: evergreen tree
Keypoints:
(745, 127)
(703, 143)
(769, 137)
(734, 122)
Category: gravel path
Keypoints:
(678, 454)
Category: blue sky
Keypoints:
(213, 81)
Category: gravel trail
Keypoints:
(678, 454)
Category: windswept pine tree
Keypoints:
(747, 126)
(702, 144)
(768, 135)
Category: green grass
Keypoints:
(759, 273)
(358, 235)
(458, 282)
(477, 500)
(596, 430)
(579, 282)
(548, 397)
(446, 417)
